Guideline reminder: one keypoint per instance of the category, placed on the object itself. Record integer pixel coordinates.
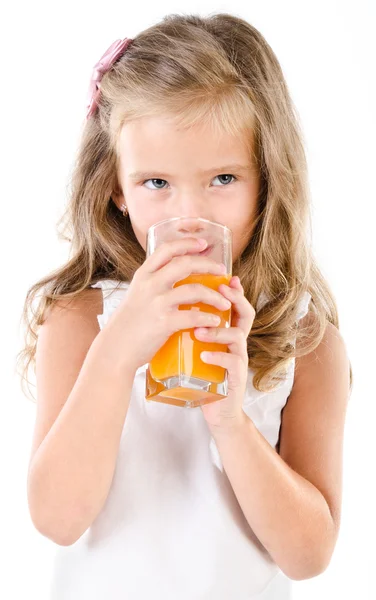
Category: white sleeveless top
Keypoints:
(171, 527)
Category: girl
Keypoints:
(192, 117)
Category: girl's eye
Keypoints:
(153, 180)
(226, 175)
(159, 181)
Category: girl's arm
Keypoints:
(83, 393)
(292, 500)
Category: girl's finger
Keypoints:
(234, 291)
(232, 362)
(163, 254)
(236, 282)
(232, 336)
(245, 311)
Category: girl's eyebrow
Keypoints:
(158, 175)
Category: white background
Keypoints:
(324, 47)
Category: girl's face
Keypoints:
(169, 172)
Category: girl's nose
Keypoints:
(191, 226)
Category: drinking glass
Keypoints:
(176, 374)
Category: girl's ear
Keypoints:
(118, 198)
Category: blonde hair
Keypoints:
(217, 69)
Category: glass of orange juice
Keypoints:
(176, 374)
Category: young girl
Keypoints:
(236, 498)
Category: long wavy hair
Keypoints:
(220, 70)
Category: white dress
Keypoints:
(171, 527)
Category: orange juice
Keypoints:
(180, 355)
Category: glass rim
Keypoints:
(224, 227)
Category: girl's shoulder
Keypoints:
(84, 304)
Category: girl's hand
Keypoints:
(149, 313)
(228, 412)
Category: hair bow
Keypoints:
(100, 68)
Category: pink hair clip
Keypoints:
(100, 68)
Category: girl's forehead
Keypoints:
(159, 145)
(165, 134)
